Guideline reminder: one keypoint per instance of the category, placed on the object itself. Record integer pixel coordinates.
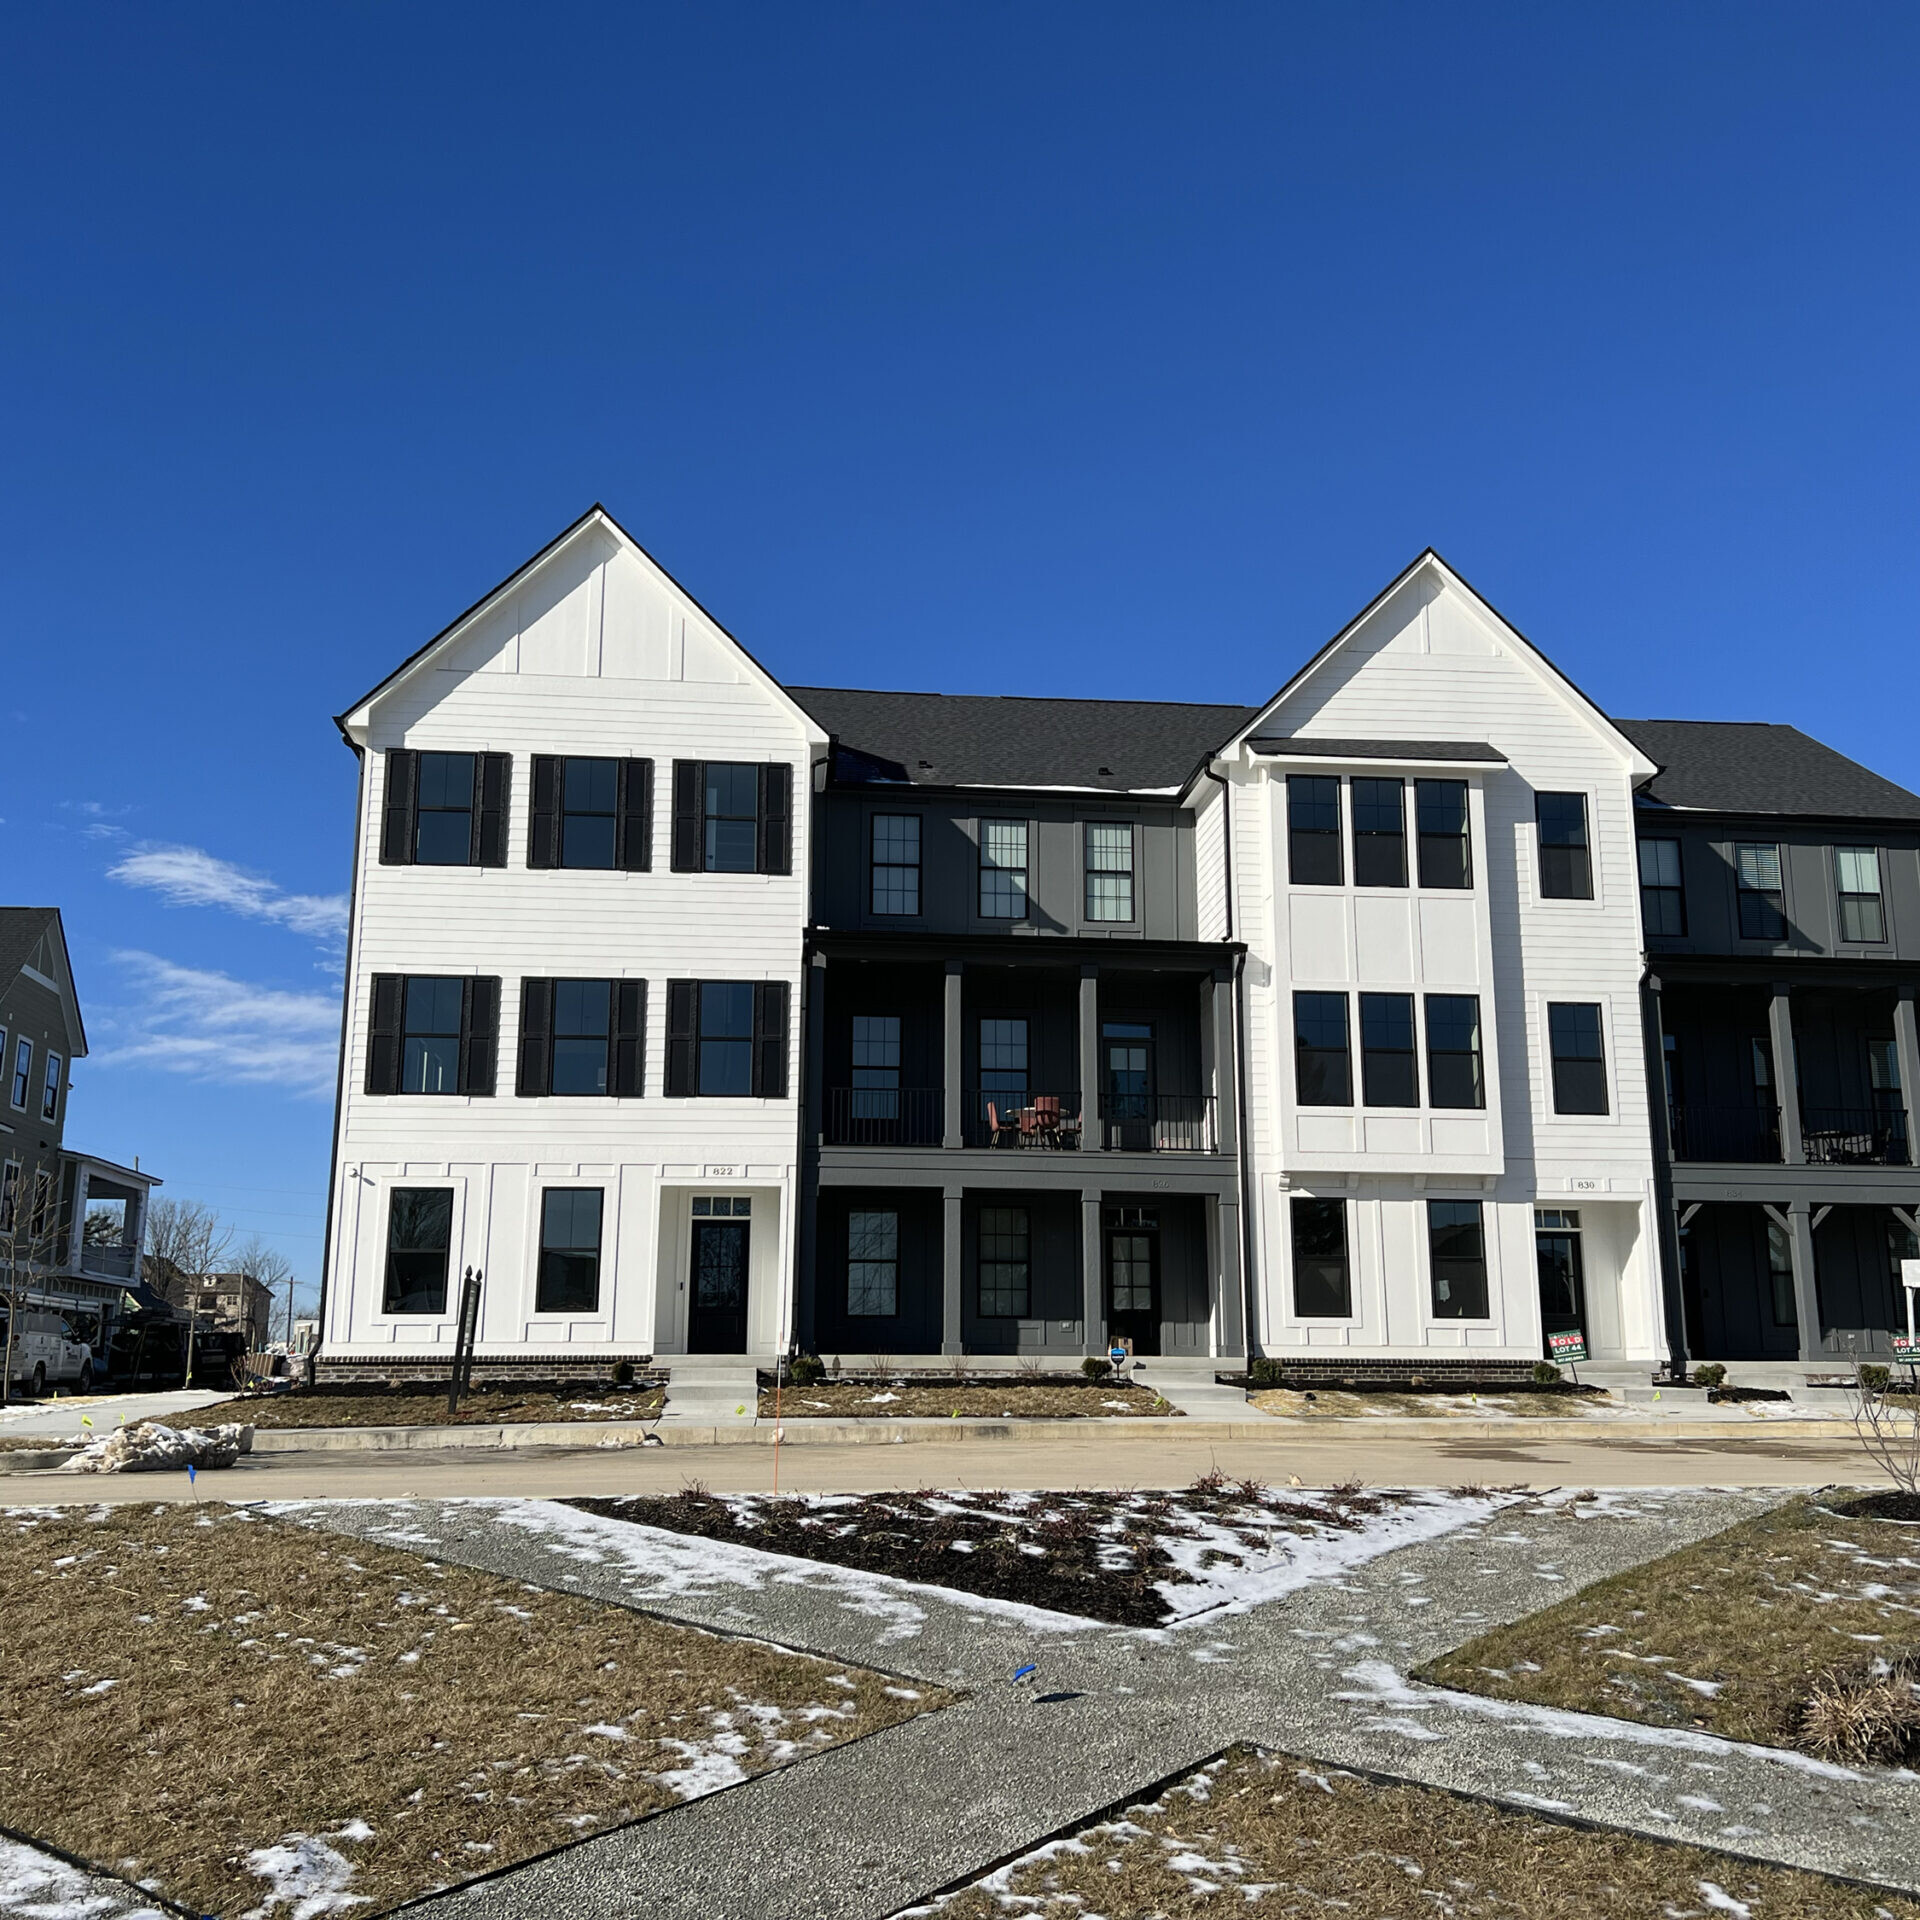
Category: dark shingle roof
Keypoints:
(1751, 766)
(1304, 745)
(964, 739)
(20, 931)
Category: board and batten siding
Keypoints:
(593, 652)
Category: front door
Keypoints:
(1563, 1290)
(717, 1318)
(1133, 1286)
(1128, 1093)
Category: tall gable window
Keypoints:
(419, 1245)
(896, 863)
(1756, 876)
(50, 1088)
(1313, 830)
(432, 1033)
(1566, 861)
(1440, 823)
(1663, 899)
(1862, 916)
(22, 1070)
(1109, 862)
(1379, 833)
(732, 817)
(444, 809)
(727, 1038)
(591, 813)
(1003, 869)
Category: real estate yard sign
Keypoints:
(1569, 1347)
(1908, 1348)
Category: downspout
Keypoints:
(1248, 1279)
(1666, 1236)
(806, 1166)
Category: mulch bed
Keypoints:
(1010, 1399)
(482, 1407)
(1096, 1554)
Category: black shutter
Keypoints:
(490, 814)
(683, 1034)
(401, 809)
(633, 819)
(535, 1075)
(479, 1033)
(770, 1039)
(383, 1034)
(543, 816)
(628, 1075)
(689, 815)
(775, 839)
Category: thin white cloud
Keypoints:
(192, 877)
(210, 1026)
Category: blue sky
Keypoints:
(1031, 348)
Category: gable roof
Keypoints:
(21, 930)
(1753, 766)
(1007, 740)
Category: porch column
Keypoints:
(1786, 1074)
(1226, 1113)
(1806, 1291)
(76, 1255)
(950, 1031)
(1093, 1315)
(816, 1066)
(1906, 1047)
(1226, 1266)
(950, 1272)
(1092, 1135)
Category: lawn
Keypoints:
(237, 1711)
(481, 1407)
(1012, 1399)
(1265, 1833)
(1730, 1635)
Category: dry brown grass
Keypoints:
(927, 1400)
(1749, 1616)
(186, 1685)
(1321, 1842)
(1292, 1403)
(483, 1407)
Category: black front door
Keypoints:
(1133, 1287)
(1563, 1301)
(717, 1319)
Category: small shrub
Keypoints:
(1876, 1379)
(623, 1373)
(1870, 1716)
(1095, 1368)
(1713, 1374)
(806, 1370)
(1545, 1374)
(1264, 1373)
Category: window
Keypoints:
(1566, 868)
(723, 1206)
(1389, 1073)
(432, 1034)
(1457, 1251)
(443, 836)
(587, 812)
(1003, 869)
(569, 1279)
(1322, 1287)
(22, 1070)
(873, 1264)
(1786, 1310)
(1322, 1067)
(1003, 1056)
(9, 1194)
(1883, 1079)
(1862, 917)
(1454, 1077)
(430, 1038)
(582, 1037)
(444, 809)
(727, 1037)
(1005, 1263)
(1663, 900)
(581, 1025)
(1579, 1058)
(1440, 823)
(876, 1067)
(732, 818)
(1109, 871)
(1756, 873)
(50, 1088)
(1379, 833)
(419, 1241)
(896, 863)
(1313, 830)
(591, 814)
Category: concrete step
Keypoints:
(708, 1394)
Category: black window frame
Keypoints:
(1443, 835)
(773, 817)
(1389, 1072)
(1328, 1294)
(991, 864)
(1565, 844)
(434, 1293)
(1313, 836)
(866, 1257)
(1121, 878)
(1762, 910)
(624, 1044)
(1458, 1262)
(687, 1039)
(1845, 897)
(1447, 1077)
(563, 1265)
(896, 867)
(1312, 1054)
(1004, 1258)
(1575, 1024)
(389, 1026)
(1379, 809)
(488, 787)
(1663, 903)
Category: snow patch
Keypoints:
(37, 1886)
(307, 1875)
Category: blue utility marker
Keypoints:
(1025, 1674)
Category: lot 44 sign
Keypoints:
(1567, 1347)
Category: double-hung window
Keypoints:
(444, 809)
(432, 1033)
(1006, 1263)
(445, 830)
(1322, 1284)
(1109, 858)
(732, 817)
(1457, 1259)
(1003, 1056)
(1862, 915)
(1454, 1074)
(1786, 1311)
(1440, 827)
(22, 1070)
(591, 813)
(1756, 875)
(582, 1037)
(1313, 830)
(569, 1277)
(419, 1246)
(1579, 1057)
(1389, 1067)
(1663, 899)
(1566, 862)
(1322, 1058)
(727, 1038)
(50, 1087)
(873, 1263)
(896, 863)
(876, 1066)
(9, 1195)
(430, 1036)
(1003, 869)
(1379, 833)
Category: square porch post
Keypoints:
(1806, 1289)
(1226, 1115)
(1906, 1046)
(1093, 1330)
(1786, 1074)
(950, 1280)
(1226, 1266)
(950, 1036)
(1091, 1136)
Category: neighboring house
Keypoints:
(1780, 890)
(702, 1014)
(236, 1303)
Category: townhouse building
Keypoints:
(703, 1015)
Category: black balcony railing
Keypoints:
(1854, 1137)
(1746, 1134)
(1040, 1122)
(885, 1116)
(1159, 1123)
